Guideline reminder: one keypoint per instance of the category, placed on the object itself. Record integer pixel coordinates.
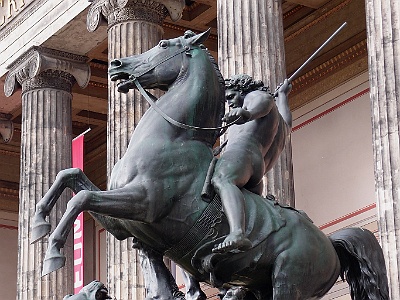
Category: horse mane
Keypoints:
(221, 82)
(221, 79)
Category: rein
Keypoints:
(172, 121)
(145, 94)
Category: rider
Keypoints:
(253, 147)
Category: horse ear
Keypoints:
(199, 38)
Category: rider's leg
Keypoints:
(234, 207)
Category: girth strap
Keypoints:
(201, 229)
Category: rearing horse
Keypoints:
(155, 195)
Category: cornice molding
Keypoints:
(98, 66)
(327, 68)
(292, 12)
(41, 67)
(349, 63)
(9, 192)
(9, 189)
(98, 84)
(183, 29)
(316, 21)
(9, 153)
(117, 11)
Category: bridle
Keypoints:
(186, 49)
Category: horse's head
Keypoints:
(159, 67)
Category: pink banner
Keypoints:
(77, 162)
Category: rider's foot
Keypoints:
(234, 241)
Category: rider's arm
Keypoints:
(258, 104)
(282, 102)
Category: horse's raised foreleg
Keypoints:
(72, 178)
(122, 203)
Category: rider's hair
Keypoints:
(245, 84)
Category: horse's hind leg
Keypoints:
(288, 278)
(72, 178)
(193, 290)
(159, 282)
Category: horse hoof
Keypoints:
(52, 264)
(39, 230)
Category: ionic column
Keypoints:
(134, 26)
(383, 26)
(250, 41)
(46, 77)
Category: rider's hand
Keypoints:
(238, 114)
(285, 87)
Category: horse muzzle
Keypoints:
(126, 72)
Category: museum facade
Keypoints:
(341, 165)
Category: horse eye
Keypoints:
(163, 44)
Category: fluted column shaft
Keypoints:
(125, 110)
(45, 150)
(124, 113)
(383, 25)
(250, 41)
(133, 28)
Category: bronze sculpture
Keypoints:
(155, 195)
(92, 291)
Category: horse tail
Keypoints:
(362, 263)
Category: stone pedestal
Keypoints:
(250, 41)
(46, 77)
(134, 26)
(383, 26)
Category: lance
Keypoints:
(290, 79)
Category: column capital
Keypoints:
(117, 11)
(41, 67)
